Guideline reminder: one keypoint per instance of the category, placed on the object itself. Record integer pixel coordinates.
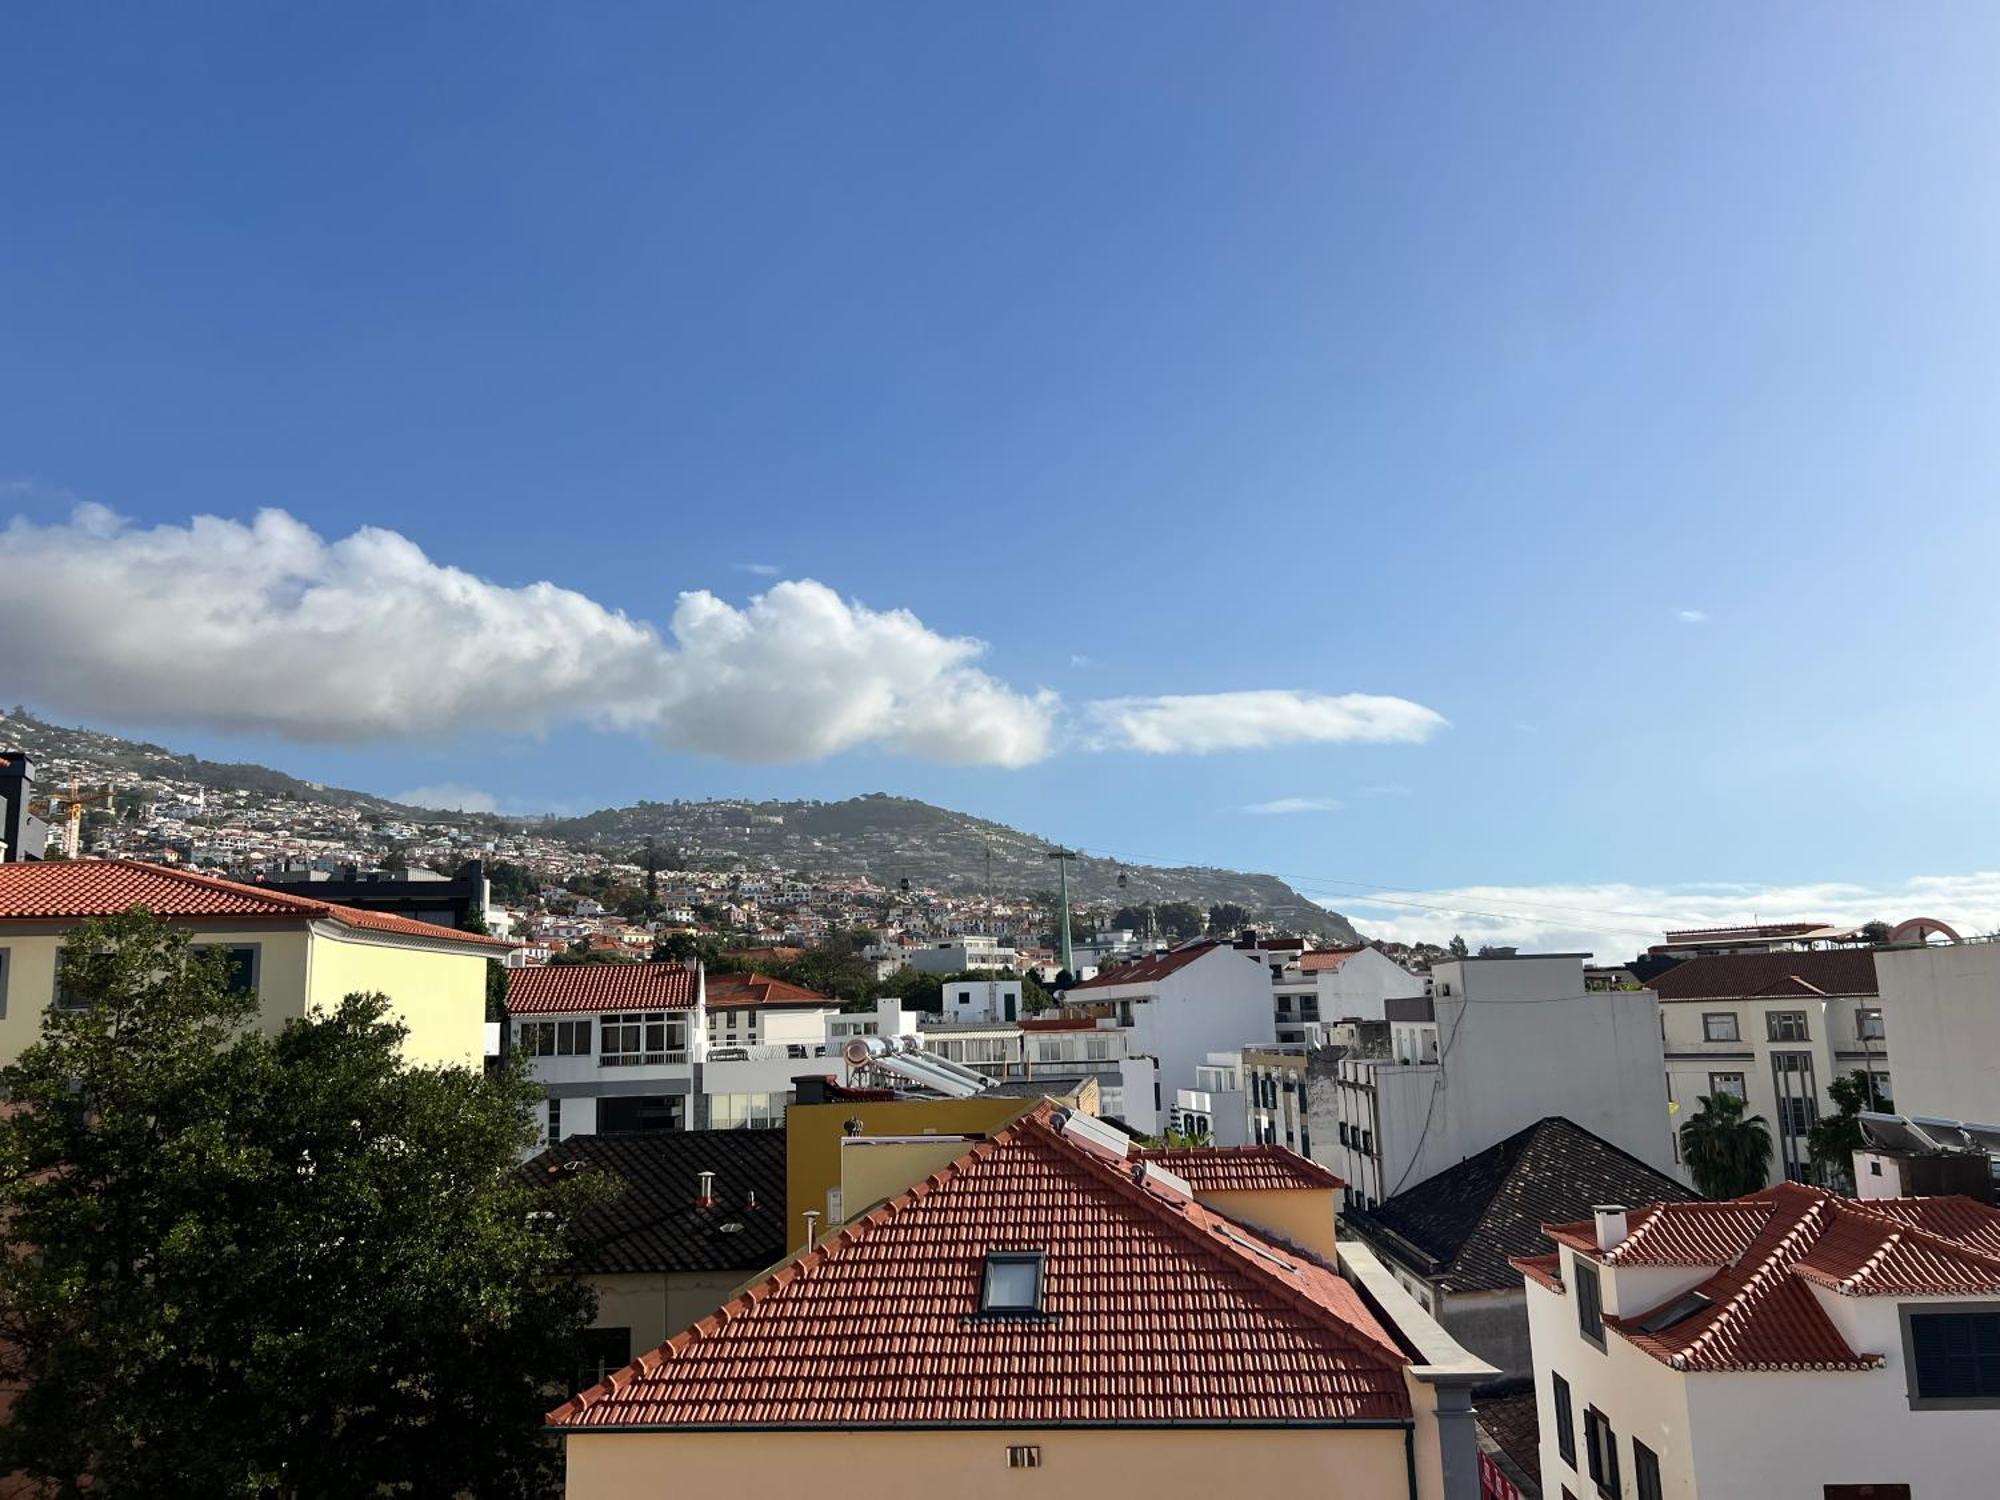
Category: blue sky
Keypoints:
(1615, 383)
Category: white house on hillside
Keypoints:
(1181, 1005)
(1338, 984)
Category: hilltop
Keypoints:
(882, 837)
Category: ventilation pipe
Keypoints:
(705, 1195)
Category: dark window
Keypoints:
(1565, 1421)
(1646, 1470)
(1600, 1451)
(1954, 1356)
(601, 1352)
(1589, 1303)
(1727, 1083)
(6, 972)
(573, 1038)
(536, 1038)
(1013, 1282)
(1787, 1026)
(638, 1114)
(555, 1120)
(1024, 1456)
(1677, 1311)
(1719, 1026)
(1797, 1115)
(1865, 1492)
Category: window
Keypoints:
(1589, 1303)
(1727, 1083)
(640, 1039)
(1646, 1470)
(1954, 1356)
(1797, 1116)
(1720, 1026)
(1677, 1311)
(1565, 1421)
(555, 1119)
(1786, 1026)
(747, 1111)
(6, 968)
(1024, 1456)
(1865, 1492)
(1013, 1282)
(553, 1038)
(1868, 1024)
(601, 1352)
(639, 1114)
(242, 961)
(1600, 1445)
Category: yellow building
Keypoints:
(299, 957)
(1041, 1312)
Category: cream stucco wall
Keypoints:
(1324, 1463)
(658, 1306)
(440, 995)
(1299, 1216)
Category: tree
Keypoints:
(1457, 947)
(1180, 920)
(1834, 1138)
(1226, 917)
(1727, 1152)
(274, 1266)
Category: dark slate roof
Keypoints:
(655, 1225)
(1460, 1226)
(1741, 976)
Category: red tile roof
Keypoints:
(1158, 966)
(75, 890)
(1772, 1248)
(586, 987)
(1739, 976)
(1157, 1311)
(749, 991)
(1545, 1269)
(1766, 930)
(1240, 1169)
(1325, 960)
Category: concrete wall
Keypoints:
(1494, 1326)
(1220, 1002)
(1941, 1009)
(1298, 1216)
(1358, 988)
(659, 1305)
(1324, 1463)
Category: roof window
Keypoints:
(1677, 1311)
(1013, 1282)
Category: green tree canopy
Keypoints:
(281, 1266)
(1834, 1138)
(1727, 1152)
(1180, 920)
(1226, 917)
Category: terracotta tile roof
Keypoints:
(1546, 1269)
(1760, 1310)
(1512, 1424)
(750, 991)
(1695, 1234)
(1157, 1311)
(75, 890)
(655, 1224)
(1325, 960)
(615, 986)
(1240, 1169)
(1462, 1225)
(1739, 976)
(1157, 966)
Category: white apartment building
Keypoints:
(1941, 1006)
(1773, 1029)
(1181, 1005)
(1254, 1096)
(955, 955)
(967, 1000)
(1497, 1045)
(1337, 984)
(1790, 1345)
(619, 1047)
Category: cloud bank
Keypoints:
(1290, 806)
(269, 628)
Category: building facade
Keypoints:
(1941, 1014)
(1180, 1006)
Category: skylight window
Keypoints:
(1013, 1282)
(1677, 1311)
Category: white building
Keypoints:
(1199, 998)
(1790, 1345)
(1337, 984)
(1499, 1044)
(1941, 1006)
(1254, 1096)
(619, 1047)
(955, 955)
(967, 1000)
(1773, 1029)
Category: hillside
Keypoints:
(883, 837)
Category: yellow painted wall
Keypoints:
(1323, 1463)
(871, 1170)
(813, 1133)
(440, 996)
(658, 1306)
(1301, 1216)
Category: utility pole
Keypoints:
(1062, 857)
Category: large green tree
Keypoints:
(256, 1265)
(1834, 1138)
(1727, 1152)
(1180, 920)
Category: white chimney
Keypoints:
(1610, 1225)
(705, 1195)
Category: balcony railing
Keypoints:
(639, 1059)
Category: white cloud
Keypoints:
(269, 628)
(1615, 921)
(1201, 722)
(449, 797)
(760, 570)
(1282, 806)
(1691, 616)
(1079, 660)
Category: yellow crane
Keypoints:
(70, 809)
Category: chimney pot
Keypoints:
(705, 1195)
(1611, 1225)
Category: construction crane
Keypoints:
(70, 809)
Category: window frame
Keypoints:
(1036, 1258)
(1602, 1455)
(6, 973)
(1589, 1308)
(1645, 1471)
(1708, 1017)
(1863, 1016)
(1742, 1085)
(1773, 1032)
(1564, 1401)
(1907, 1314)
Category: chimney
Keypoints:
(705, 1196)
(1610, 1225)
(750, 1202)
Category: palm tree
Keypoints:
(1728, 1152)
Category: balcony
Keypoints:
(640, 1059)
